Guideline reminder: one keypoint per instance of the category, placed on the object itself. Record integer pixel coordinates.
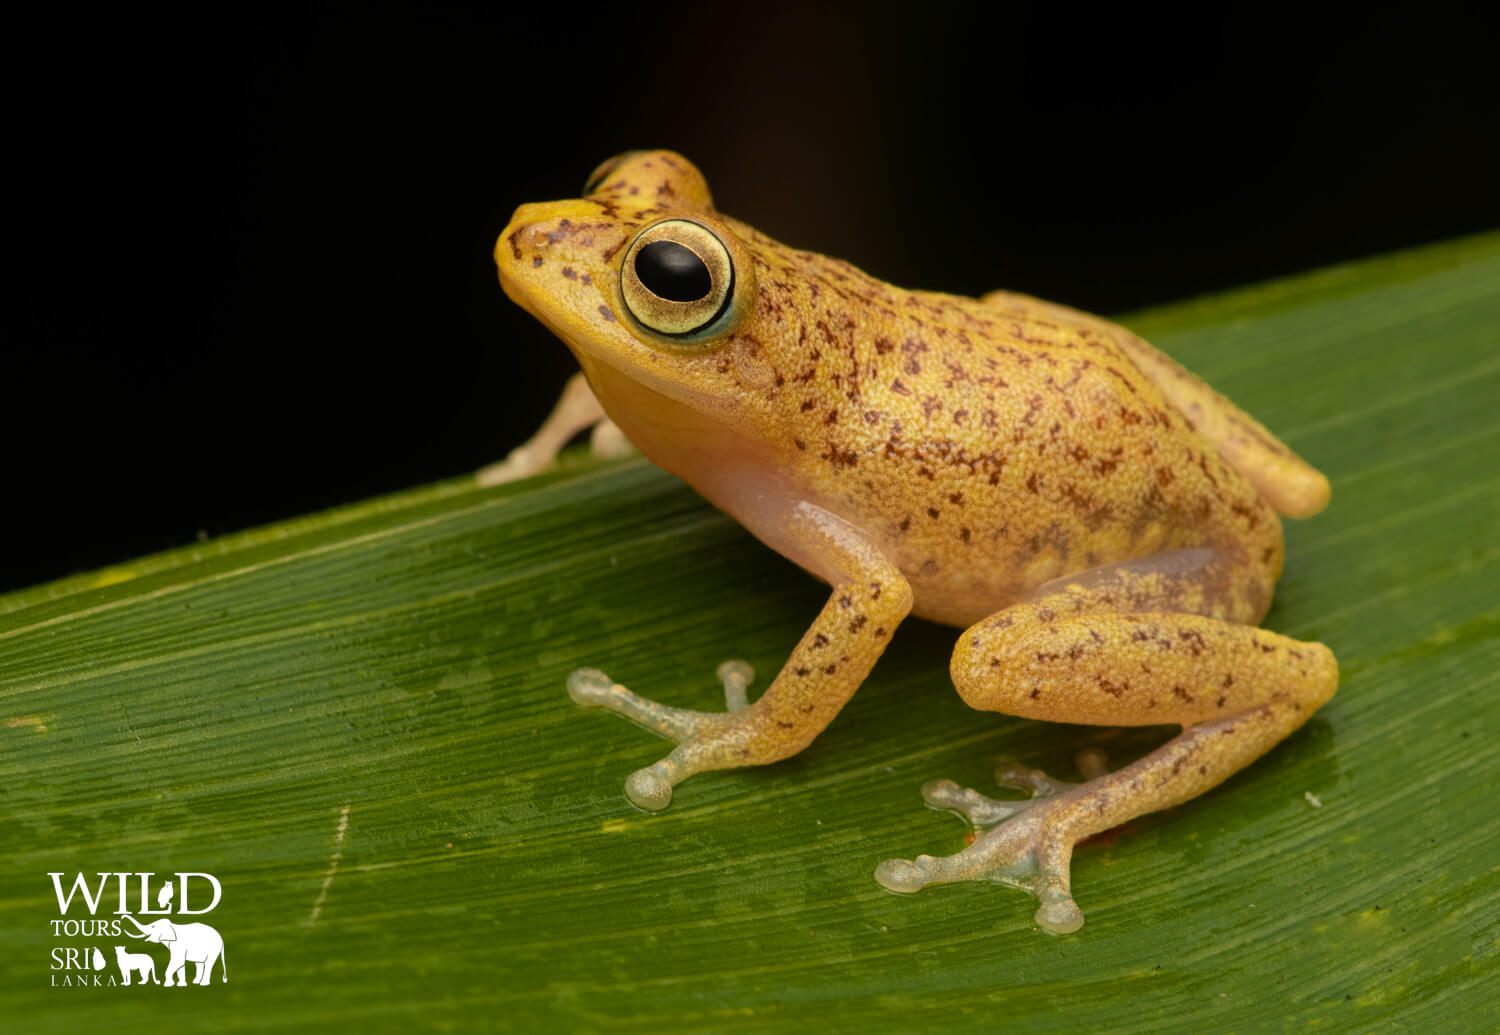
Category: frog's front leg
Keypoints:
(870, 597)
(1116, 647)
(576, 409)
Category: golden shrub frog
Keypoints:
(1100, 523)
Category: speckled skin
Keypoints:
(1103, 523)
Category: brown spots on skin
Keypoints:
(536, 262)
(845, 602)
(899, 387)
(799, 444)
(840, 458)
(1127, 382)
(1194, 639)
(820, 640)
(1115, 690)
(831, 669)
(1106, 465)
(567, 271)
(875, 591)
(604, 312)
(1046, 615)
(858, 624)
(963, 534)
(933, 513)
(905, 524)
(1203, 466)
(1182, 695)
(1228, 680)
(1031, 480)
(879, 632)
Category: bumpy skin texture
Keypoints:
(1102, 523)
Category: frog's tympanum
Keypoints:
(1100, 524)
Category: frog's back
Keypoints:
(989, 450)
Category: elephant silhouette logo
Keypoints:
(188, 943)
(142, 964)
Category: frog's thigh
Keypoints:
(1070, 656)
(1122, 650)
(1138, 669)
(1073, 654)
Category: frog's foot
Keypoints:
(1025, 843)
(651, 787)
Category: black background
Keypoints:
(249, 273)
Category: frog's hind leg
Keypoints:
(576, 410)
(1113, 647)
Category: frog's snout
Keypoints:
(524, 235)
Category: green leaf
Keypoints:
(357, 722)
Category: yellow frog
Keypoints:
(1100, 523)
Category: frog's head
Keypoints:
(642, 278)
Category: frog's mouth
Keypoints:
(545, 269)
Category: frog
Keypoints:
(1103, 526)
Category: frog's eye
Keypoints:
(678, 278)
(597, 177)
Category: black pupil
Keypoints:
(672, 272)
